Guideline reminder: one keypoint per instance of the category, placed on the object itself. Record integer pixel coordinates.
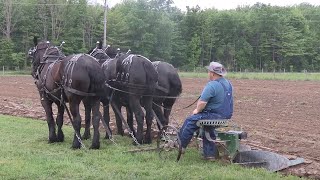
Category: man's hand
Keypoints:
(200, 106)
(195, 111)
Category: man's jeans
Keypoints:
(189, 127)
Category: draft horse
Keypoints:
(132, 80)
(168, 88)
(106, 58)
(61, 79)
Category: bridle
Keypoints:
(33, 51)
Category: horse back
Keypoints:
(168, 78)
(136, 71)
(83, 73)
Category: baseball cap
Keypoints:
(217, 68)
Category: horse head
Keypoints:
(44, 52)
(99, 52)
(114, 52)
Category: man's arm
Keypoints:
(200, 106)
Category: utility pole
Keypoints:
(105, 25)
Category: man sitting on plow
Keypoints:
(215, 103)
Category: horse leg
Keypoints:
(47, 105)
(134, 103)
(167, 104)
(95, 122)
(118, 119)
(159, 113)
(87, 108)
(130, 120)
(106, 115)
(149, 117)
(74, 109)
(59, 122)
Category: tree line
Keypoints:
(254, 38)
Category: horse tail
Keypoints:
(175, 84)
(151, 73)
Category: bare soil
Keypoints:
(280, 115)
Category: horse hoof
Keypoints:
(121, 133)
(107, 136)
(95, 146)
(86, 136)
(147, 140)
(60, 138)
(75, 147)
(52, 140)
(135, 143)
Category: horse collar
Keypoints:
(50, 58)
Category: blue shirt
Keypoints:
(213, 94)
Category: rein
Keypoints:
(127, 92)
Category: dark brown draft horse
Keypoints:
(61, 79)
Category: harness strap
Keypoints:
(68, 79)
(126, 65)
(77, 92)
(105, 63)
(158, 87)
(162, 88)
(44, 79)
(99, 51)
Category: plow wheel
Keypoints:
(168, 143)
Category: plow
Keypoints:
(231, 147)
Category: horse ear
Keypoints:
(100, 45)
(35, 40)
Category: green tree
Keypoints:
(195, 51)
(6, 51)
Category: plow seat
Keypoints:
(229, 141)
(214, 123)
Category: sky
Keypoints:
(225, 4)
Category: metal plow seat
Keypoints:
(227, 142)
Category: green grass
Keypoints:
(25, 154)
(10, 73)
(261, 76)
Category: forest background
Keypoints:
(249, 38)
